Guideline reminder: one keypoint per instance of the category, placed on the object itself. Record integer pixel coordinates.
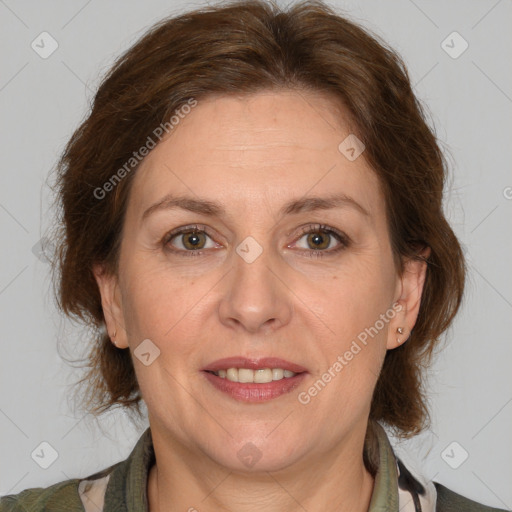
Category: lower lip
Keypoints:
(251, 392)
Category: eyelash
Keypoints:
(311, 228)
(342, 238)
(182, 231)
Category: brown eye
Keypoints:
(321, 240)
(318, 241)
(189, 240)
(193, 240)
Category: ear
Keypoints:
(408, 299)
(111, 304)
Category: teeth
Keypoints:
(245, 375)
(261, 376)
(232, 374)
(277, 373)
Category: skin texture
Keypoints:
(252, 154)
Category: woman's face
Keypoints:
(273, 271)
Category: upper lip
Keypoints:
(253, 364)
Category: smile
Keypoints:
(255, 379)
(260, 376)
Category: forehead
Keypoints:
(257, 150)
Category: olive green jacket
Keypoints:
(122, 488)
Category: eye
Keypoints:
(322, 240)
(319, 240)
(188, 240)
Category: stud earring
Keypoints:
(400, 330)
(113, 337)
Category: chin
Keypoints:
(257, 455)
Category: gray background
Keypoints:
(470, 103)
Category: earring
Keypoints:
(400, 330)
(113, 337)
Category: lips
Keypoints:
(236, 377)
(254, 364)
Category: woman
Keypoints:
(252, 221)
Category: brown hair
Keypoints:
(244, 47)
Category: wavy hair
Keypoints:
(240, 48)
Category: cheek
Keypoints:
(351, 358)
(168, 312)
(158, 304)
(356, 306)
(357, 295)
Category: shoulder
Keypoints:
(58, 497)
(109, 488)
(66, 496)
(450, 501)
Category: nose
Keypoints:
(255, 296)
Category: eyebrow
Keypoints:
(309, 204)
(295, 206)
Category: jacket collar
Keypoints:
(385, 490)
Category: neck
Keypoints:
(337, 480)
